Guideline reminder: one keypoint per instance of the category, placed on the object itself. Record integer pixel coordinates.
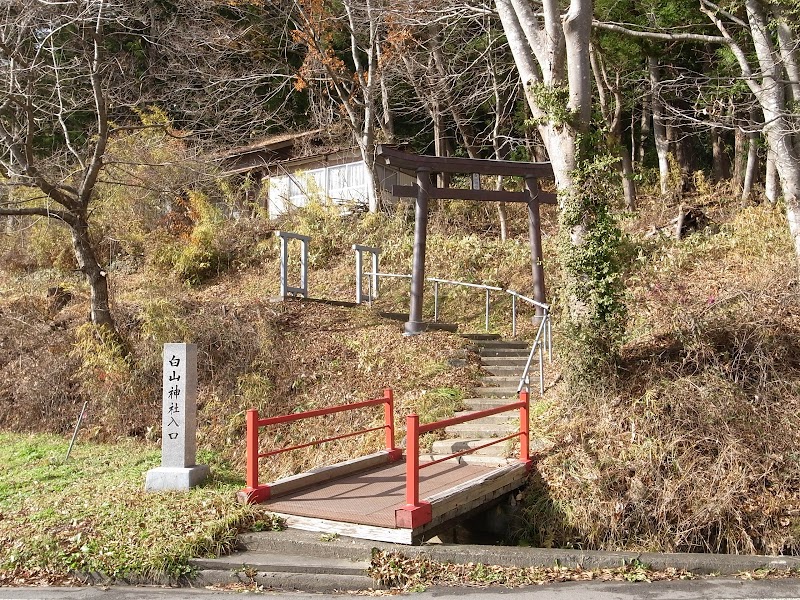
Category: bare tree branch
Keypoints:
(659, 35)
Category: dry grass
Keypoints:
(696, 448)
(253, 353)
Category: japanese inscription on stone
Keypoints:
(178, 439)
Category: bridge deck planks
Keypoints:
(371, 497)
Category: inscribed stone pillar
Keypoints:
(178, 470)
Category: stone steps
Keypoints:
(453, 445)
(504, 362)
(505, 352)
(474, 404)
(497, 344)
(481, 337)
(481, 430)
(502, 381)
(514, 371)
(497, 392)
(285, 571)
(500, 419)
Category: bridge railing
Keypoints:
(258, 493)
(417, 512)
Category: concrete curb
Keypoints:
(281, 570)
(306, 582)
(309, 544)
(281, 563)
(300, 560)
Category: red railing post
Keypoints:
(414, 513)
(253, 493)
(388, 417)
(524, 429)
(252, 449)
(388, 420)
(412, 460)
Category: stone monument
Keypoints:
(178, 470)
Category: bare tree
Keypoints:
(609, 93)
(351, 80)
(551, 52)
(74, 74)
(55, 75)
(460, 69)
(766, 54)
(659, 126)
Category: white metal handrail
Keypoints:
(373, 278)
(488, 288)
(360, 250)
(543, 338)
(287, 289)
(544, 334)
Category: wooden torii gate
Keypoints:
(425, 189)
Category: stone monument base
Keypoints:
(175, 478)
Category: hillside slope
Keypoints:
(692, 448)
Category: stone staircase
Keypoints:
(504, 362)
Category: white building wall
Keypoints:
(344, 184)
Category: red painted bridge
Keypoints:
(392, 495)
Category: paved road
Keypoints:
(707, 589)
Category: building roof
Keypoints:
(275, 142)
(276, 149)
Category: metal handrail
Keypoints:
(489, 288)
(373, 276)
(436, 281)
(543, 335)
(545, 311)
(466, 284)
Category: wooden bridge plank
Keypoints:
(362, 532)
(370, 497)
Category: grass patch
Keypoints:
(90, 514)
(693, 446)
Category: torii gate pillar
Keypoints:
(535, 234)
(415, 324)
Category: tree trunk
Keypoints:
(100, 309)
(721, 164)
(551, 51)
(500, 153)
(387, 118)
(609, 97)
(739, 158)
(441, 144)
(787, 45)
(659, 128)
(644, 131)
(502, 214)
(778, 127)
(772, 183)
(683, 158)
(628, 185)
(752, 164)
